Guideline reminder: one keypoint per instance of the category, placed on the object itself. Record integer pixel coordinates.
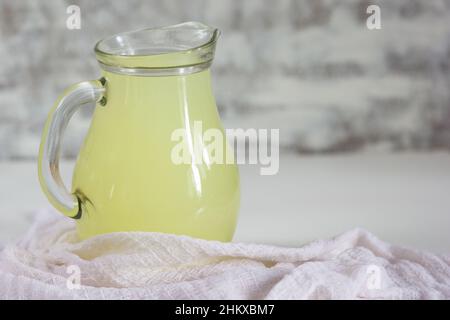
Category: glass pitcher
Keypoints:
(154, 81)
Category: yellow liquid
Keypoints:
(124, 173)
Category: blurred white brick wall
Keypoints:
(310, 68)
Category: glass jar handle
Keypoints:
(73, 98)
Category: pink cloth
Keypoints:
(50, 260)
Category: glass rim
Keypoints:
(215, 33)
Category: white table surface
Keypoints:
(401, 198)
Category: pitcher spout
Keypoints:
(178, 49)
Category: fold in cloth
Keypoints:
(51, 263)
